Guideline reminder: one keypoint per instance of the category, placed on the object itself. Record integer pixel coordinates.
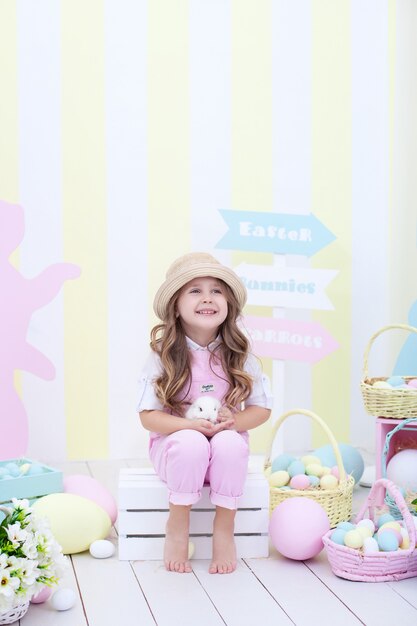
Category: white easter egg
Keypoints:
(381, 384)
(405, 543)
(63, 599)
(368, 523)
(328, 481)
(101, 549)
(353, 539)
(370, 545)
(191, 549)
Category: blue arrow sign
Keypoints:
(280, 233)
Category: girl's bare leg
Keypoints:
(176, 539)
(224, 549)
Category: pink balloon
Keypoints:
(297, 526)
(90, 488)
(42, 596)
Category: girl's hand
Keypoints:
(225, 419)
(203, 426)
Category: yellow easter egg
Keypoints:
(405, 543)
(365, 531)
(279, 479)
(191, 549)
(314, 469)
(329, 482)
(326, 470)
(268, 471)
(24, 468)
(353, 539)
(75, 521)
(395, 525)
(310, 459)
(381, 384)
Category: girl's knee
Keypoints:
(189, 444)
(231, 443)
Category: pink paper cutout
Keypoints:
(20, 297)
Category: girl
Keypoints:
(198, 349)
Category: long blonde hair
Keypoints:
(169, 342)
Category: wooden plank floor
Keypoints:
(262, 591)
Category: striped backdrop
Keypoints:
(126, 125)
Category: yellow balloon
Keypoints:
(75, 521)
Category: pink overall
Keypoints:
(187, 459)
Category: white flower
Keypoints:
(8, 583)
(16, 534)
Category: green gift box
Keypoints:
(30, 486)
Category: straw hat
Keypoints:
(195, 265)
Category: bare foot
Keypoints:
(224, 549)
(176, 539)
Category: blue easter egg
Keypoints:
(387, 541)
(386, 517)
(296, 467)
(351, 457)
(314, 480)
(34, 470)
(395, 381)
(338, 536)
(346, 526)
(3, 472)
(281, 462)
(12, 469)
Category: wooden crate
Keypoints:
(143, 512)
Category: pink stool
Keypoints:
(383, 427)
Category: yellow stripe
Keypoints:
(168, 138)
(331, 203)
(9, 168)
(252, 135)
(85, 232)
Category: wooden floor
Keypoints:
(270, 591)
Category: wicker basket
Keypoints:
(13, 615)
(336, 502)
(392, 505)
(378, 566)
(391, 403)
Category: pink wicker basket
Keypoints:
(379, 566)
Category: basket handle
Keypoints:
(411, 329)
(384, 483)
(388, 437)
(322, 423)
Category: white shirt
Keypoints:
(147, 400)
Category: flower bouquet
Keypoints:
(30, 558)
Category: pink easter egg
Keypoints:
(90, 488)
(412, 383)
(300, 481)
(335, 472)
(42, 596)
(297, 526)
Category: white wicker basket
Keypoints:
(13, 615)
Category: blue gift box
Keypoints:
(46, 480)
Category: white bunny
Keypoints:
(204, 407)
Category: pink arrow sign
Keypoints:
(288, 340)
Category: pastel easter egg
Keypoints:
(75, 521)
(412, 383)
(314, 469)
(101, 549)
(405, 539)
(387, 541)
(310, 458)
(3, 472)
(42, 596)
(368, 523)
(386, 517)
(381, 384)
(328, 481)
(395, 381)
(396, 532)
(88, 487)
(338, 536)
(279, 479)
(346, 525)
(63, 599)
(314, 480)
(370, 545)
(35, 469)
(326, 470)
(282, 461)
(394, 525)
(353, 539)
(13, 469)
(335, 471)
(364, 531)
(24, 468)
(300, 481)
(296, 467)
